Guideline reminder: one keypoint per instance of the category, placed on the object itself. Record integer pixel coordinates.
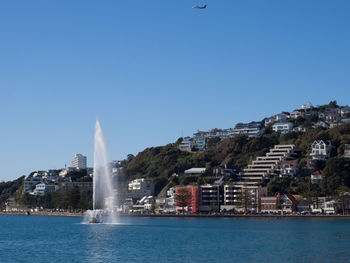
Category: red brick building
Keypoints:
(286, 203)
(193, 200)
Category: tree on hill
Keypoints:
(79, 176)
(336, 173)
(278, 185)
(182, 197)
(7, 189)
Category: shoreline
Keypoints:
(68, 214)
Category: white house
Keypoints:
(321, 150)
(295, 114)
(329, 207)
(282, 127)
(42, 188)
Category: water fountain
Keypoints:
(103, 190)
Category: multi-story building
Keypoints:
(42, 189)
(139, 188)
(289, 168)
(30, 182)
(285, 203)
(186, 144)
(268, 204)
(230, 195)
(193, 198)
(295, 114)
(276, 118)
(316, 177)
(282, 127)
(210, 198)
(79, 161)
(261, 170)
(252, 129)
(321, 150)
(200, 138)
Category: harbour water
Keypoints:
(66, 239)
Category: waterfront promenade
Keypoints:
(72, 214)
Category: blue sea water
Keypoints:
(65, 239)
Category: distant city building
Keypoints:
(251, 129)
(321, 150)
(141, 187)
(282, 127)
(79, 161)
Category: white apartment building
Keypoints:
(79, 161)
(252, 129)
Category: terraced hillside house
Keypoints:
(261, 170)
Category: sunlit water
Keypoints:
(64, 239)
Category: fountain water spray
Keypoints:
(103, 191)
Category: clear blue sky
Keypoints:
(155, 70)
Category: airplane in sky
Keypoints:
(200, 7)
